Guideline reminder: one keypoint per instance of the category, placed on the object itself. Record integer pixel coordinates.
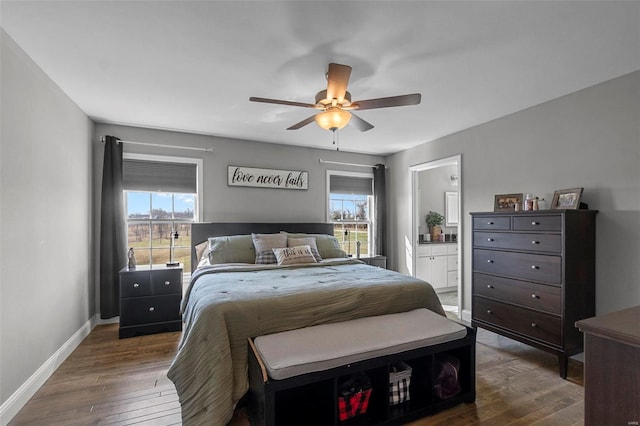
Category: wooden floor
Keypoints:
(122, 382)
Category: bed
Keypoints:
(228, 302)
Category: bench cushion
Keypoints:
(321, 347)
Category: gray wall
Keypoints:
(588, 139)
(46, 286)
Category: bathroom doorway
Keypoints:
(436, 188)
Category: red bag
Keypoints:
(353, 398)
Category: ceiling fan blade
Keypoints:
(303, 123)
(392, 101)
(280, 102)
(337, 80)
(359, 123)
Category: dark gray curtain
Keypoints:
(380, 218)
(113, 256)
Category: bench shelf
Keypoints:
(312, 398)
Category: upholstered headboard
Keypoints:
(202, 231)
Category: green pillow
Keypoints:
(231, 249)
(328, 245)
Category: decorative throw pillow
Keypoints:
(264, 245)
(294, 255)
(308, 241)
(231, 249)
(328, 245)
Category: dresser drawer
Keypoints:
(536, 325)
(492, 222)
(537, 267)
(551, 243)
(537, 223)
(537, 296)
(146, 310)
(135, 284)
(166, 282)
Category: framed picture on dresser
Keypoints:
(506, 202)
(566, 198)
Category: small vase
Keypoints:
(435, 233)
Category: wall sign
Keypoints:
(267, 178)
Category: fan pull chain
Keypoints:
(335, 139)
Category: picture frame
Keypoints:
(507, 202)
(567, 199)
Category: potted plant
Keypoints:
(434, 221)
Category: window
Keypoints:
(350, 203)
(161, 200)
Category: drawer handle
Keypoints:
(167, 282)
(535, 242)
(534, 325)
(489, 286)
(489, 239)
(489, 311)
(136, 285)
(489, 223)
(489, 261)
(535, 296)
(535, 267)
(535, 223)
(151, 309)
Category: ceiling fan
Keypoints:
(336, 106)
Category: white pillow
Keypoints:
(264, 245)
(294, 255)
(306, 241)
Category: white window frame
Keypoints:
(370, 248)
(168, 159)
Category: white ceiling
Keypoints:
(192, 65)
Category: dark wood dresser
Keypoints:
(150, 299)
(534, 277)
(612, 368)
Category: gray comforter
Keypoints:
(227, 304)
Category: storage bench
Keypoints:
(294, 375)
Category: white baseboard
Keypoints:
(14, 404)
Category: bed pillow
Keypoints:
(328, 245)
(231, 249)
(202, 250)
(264, 245)
(307, 241)
(294, 255)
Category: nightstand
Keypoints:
(374, 260)
(150, 298)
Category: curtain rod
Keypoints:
(165, 146)
(344, 164)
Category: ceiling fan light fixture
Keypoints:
(333, 119)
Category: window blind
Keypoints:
(350, 185)
(141, 175)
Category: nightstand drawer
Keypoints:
(537, 267)
(537, 296)
(551, 243)
(146, 310)
(135, 284)
(492, 222)
(167, 282)
(531, 324)
(537, 223)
